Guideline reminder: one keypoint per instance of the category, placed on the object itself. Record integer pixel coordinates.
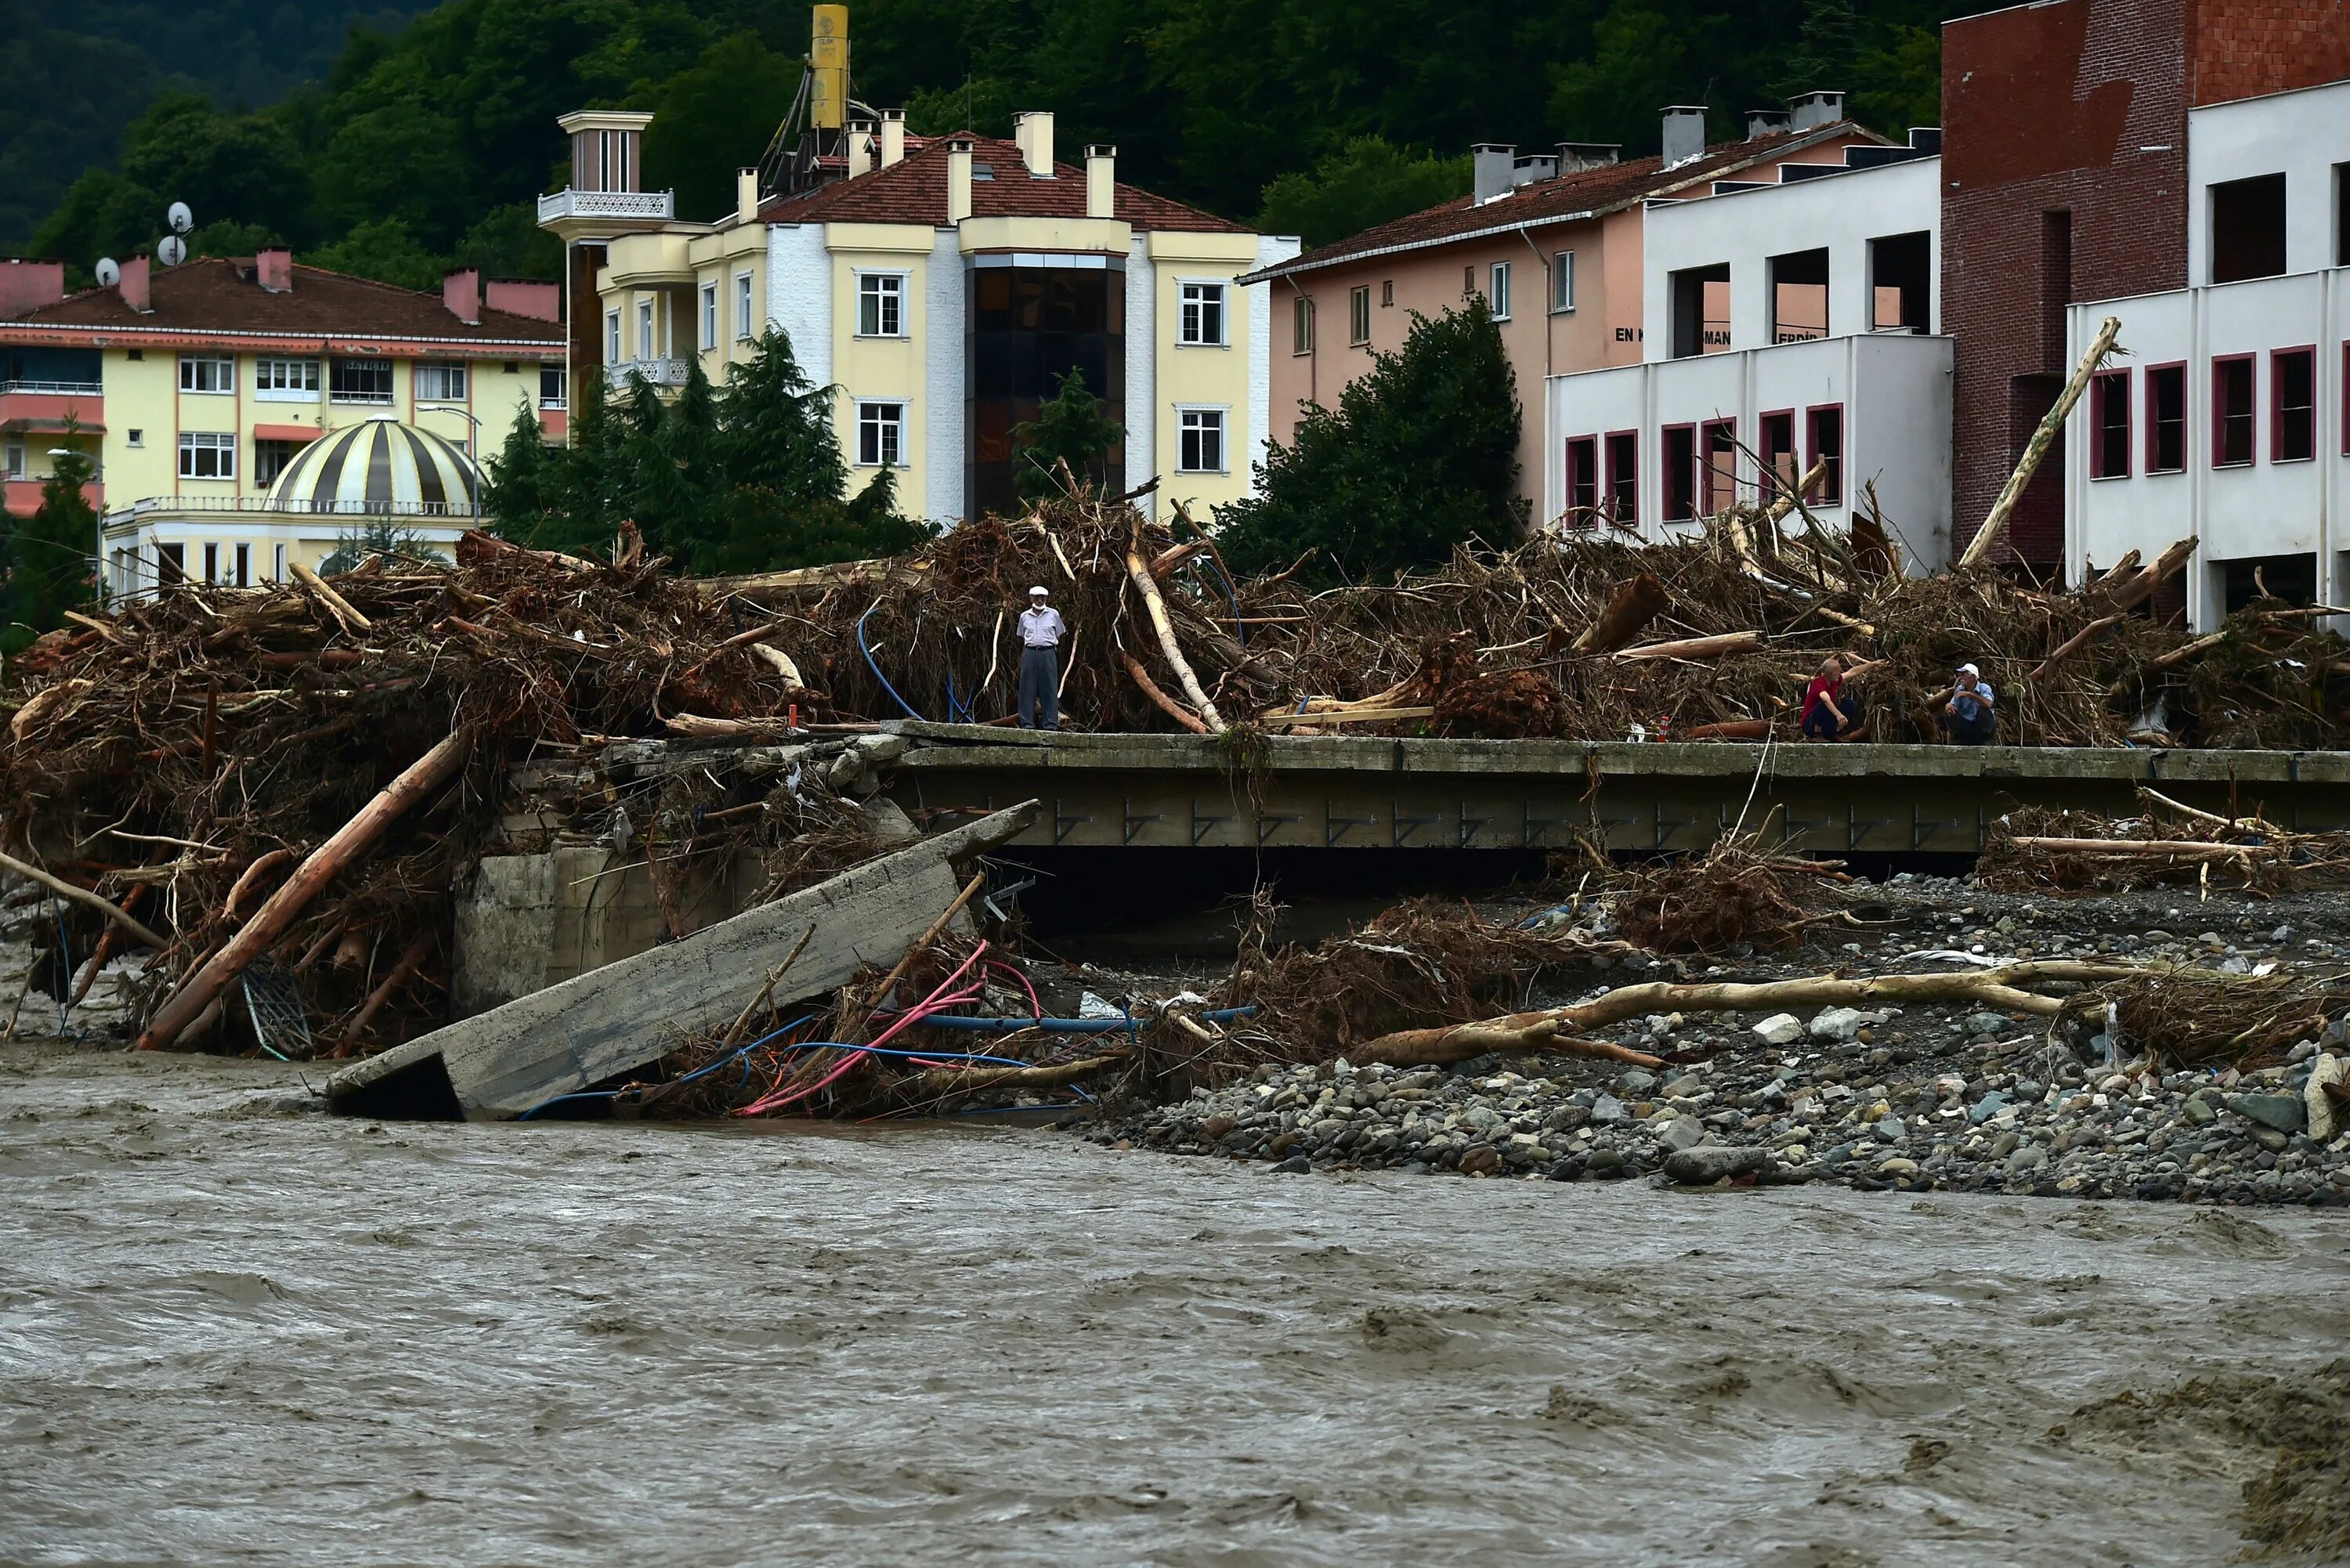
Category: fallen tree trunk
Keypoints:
(410, 962)
(87, 900)
(1997, 988)
(253, 874)
(2140, 588)
(1137, 568)
(2071, 646)
(1635, 605)
(2146, 848)
(337, 606)
(940, 1082)
(1713, 646)
(425, 774)
(2052, 425)
(1167, 704)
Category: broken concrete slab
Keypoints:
(609, 1021)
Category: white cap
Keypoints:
(1970, 670)
(1037, 592)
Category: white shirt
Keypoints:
(1040, 627)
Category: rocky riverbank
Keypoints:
(1915, 1099)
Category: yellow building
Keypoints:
(939, 288)
(195, 388)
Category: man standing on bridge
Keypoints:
(1040, 673)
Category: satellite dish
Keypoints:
(181, 219)
(171, 250)
(108, 274)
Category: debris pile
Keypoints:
(2074, 851)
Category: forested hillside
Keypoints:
(427, 147)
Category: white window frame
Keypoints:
(886, 432)
(1359, 316)
(611, 336)
(387, 398)
(220, 444)
(1184, 414)
(1301, 325)
(647, 334)
(710, 315)
(280, 379)
(1196, 299)
(743, 333)
(260, 478)
(886, 292)
(135, 437)
(1562, 283)
(562, 399)
(277, 562)
(1497, 290)
(450, 375)
(223, 369)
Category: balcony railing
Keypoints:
(656, 206)
(462, 510)
(55, 388)
(654, 372)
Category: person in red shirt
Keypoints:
(1824, 715)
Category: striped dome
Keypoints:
(380, 466)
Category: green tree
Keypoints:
(1645, 54)
(509, 243)
(774, 426)
(715, 117)
(1367, 182)
(1420, 455)
(522, 485)
(231, 239)
(384, 250)
(228, 168)
(102, 214)
(378, 536)
(51, 556)
(1074, 428)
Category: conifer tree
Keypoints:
(52, 555)
(1074, 428)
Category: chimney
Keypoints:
(1527, 171)
(524, 297)
(460, 291)
(1763, 123)
(958, 179)
(1810, 110)
(1574, 157)
(860, 147)
(1034, 132)
(1493, 162)
(133, 287)
(893, 137)
(27, 285)
(746, 194)
(1684, 133)
(273, 268)
(1101, 181)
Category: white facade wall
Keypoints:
(2302, 135)
(1839, 213)
(1271, 251)
(1141, 368)
(1893, 389)
(799, 295)
(944, 418)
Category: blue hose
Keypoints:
(862, 647)
(1060, 1025)
(1240, 627)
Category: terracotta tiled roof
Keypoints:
(914, 191)
(218, 295)
(1587, 192)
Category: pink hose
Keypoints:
(936, 1001)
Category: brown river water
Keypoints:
(234, 1331)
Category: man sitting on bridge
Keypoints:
(1824, 716)
(1971, 717)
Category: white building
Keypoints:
(2227, 421)
(1785, 323)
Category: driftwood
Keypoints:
(2157, 848)
(1995, 525)
(87, 900)
(2136, 589)
(427, 773)
(2071, 646)
(1167, 704)
(1637, 603)
(410, 963)
(339, 607)
(1713, 646)
(1139, 571)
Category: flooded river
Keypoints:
(232, 1331)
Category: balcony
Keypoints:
(666, 375)
(620, 206)
(47, 406)
(20, 495)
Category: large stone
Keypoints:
(2285, 1113)
(1606, 1110)
(2324, 1124)
(1780, 1029)
(1703, 1167)
(1680, 1133)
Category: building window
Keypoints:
(1679, 445)
(742, 307)
(1386, 293)
(206, 456)
(2342, 214)
(2165, 418)
(207, 373)
(170, 564)
(244, 565)
(1562, 283)
(212, 563)
(359, 380)
(135, 437)
(2247, 228)
(1199, 447)
(645, 329)
(2109, 425)
(12, 461)
(1301, 320)
(278, 563)
(2345, 401)
(2231, 411)
(1825, 426)
(1799, 296)
(1582, 481)
(881, 305)
(882, 435)
(1203, 315)
(270, 458)
(1624, 478)
(1498, 290)
(2293, 419)
(708, 316)
(285, 380)
(1901, 283)
(440, 381)
(1468, 281)
(611, 337)
(1359, 316)
(1777, 445)
(1719, 483)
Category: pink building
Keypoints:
(1554, 243)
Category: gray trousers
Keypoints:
(1040, 689)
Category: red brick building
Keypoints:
(2064, 172)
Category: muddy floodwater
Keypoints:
(232, 1330)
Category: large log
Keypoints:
(1713, 646)
(87, 900)
(259, 934)
(2140, 587)
(1986, 537)
(613, 1020)
(1139, 570)
(1628, 613)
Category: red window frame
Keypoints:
(2108, 389)
(2276, 403)
(1717, 483)
(1829, 491)
(1616, 479)
(1583, 464)
(2345, 399)
(2252, 415)
(1670, 493)
(2154, 423)
(1767, 487)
